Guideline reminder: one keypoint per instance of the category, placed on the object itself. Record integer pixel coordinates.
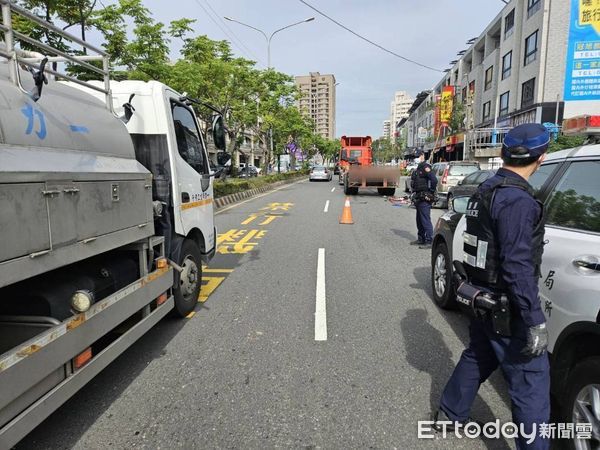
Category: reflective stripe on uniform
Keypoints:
(470, 260)
(470, 239)
(482, 247)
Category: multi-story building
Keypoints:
(386, 129)
(523, 67)
(399, 107)
(318, 101)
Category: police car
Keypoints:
(568, 183)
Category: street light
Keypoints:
(269, 38)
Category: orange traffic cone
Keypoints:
(347, 213)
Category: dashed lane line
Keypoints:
(332, 189)
(326, 206)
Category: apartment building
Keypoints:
(518, 70)
(318, 101)
(399, 107)
(386, 134)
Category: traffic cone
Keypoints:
(347, 213)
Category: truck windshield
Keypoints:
(355, 153)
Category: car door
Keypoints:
(570, 281)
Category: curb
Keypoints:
(239, 196)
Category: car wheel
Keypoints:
(441, 277)
(187, 291)
(582, 403)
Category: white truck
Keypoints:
(106, 218)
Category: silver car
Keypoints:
(320, 173)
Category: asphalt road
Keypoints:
(245, 371)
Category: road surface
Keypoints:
(308, 334)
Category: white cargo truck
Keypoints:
(106, 217)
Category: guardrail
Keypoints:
(18, 57)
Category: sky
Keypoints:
(429, 31)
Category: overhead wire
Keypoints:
(246, 53)
(230, 30)
(412, 61)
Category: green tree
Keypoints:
(564, 142)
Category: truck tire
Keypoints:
(441, 277)
(580, 403)
(389, 192)
(187, 290)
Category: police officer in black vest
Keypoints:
(503, 245)
(423, 183)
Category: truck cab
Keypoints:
(169, 142)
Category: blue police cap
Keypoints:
(532, 138)
(418, 153)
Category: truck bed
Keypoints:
(373, 176)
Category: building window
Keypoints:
(506, 65)
(464, 95)
(531, 48)
(504, 103)
(472, 87)
(532, 7)
(527, 91)
(487, 108)
(509, 24)
(489, 76)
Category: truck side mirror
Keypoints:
(218, 130)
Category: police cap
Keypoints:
(529, 140)
(418, 152)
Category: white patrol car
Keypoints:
(568, 182)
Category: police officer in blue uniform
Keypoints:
(502, 256)
(423, 183)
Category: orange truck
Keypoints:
(357, 169)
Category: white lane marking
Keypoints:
(219, 211)
(326, 206)
(321, 306)
(332, 189)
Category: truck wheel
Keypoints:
(441, 277)
(187, 291)
(583, 399)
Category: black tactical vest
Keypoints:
(481, 250)
(419, 179)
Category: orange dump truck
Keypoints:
(357, 169)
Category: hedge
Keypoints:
(234, 185)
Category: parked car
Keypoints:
(468, 185)
(321, 173)
(257, 169)
(449, 174)
(248, 172)
(568, 184)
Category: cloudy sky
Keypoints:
(430, 31)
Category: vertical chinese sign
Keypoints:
(446, 105)
(437, 122)
(582, 80)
